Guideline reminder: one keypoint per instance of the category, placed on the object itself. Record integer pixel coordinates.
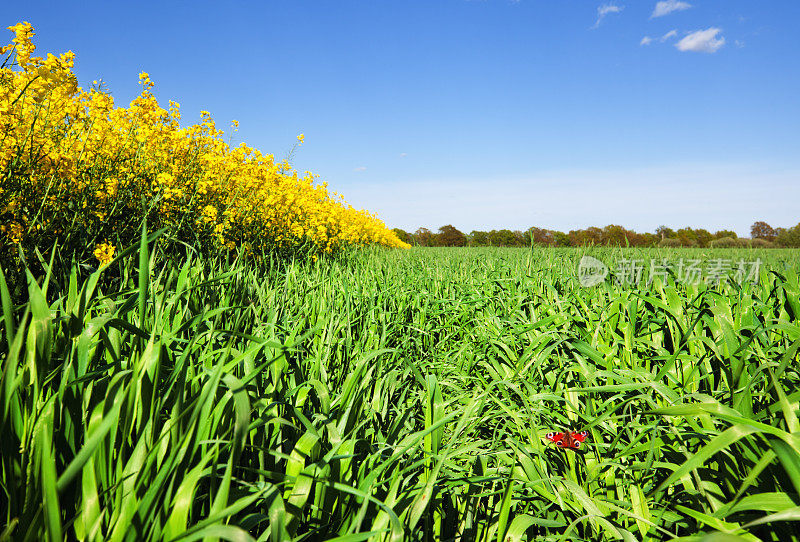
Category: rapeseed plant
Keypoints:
(104, 253)
(76, 169)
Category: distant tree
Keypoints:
(502, 238)
(724, 242)
(478, 238)
(612, 234)
(423, 237)
(664, 232)
(635, 239)
(789, 237)
(589, 236)
(648, 240)
(540, 236)
(449, 236)
(594, 235)
(616, 235)
(703, 237)
(507, 238)
(560, 239)
(762, 230)
(577, 238)
(404, 236)
(687, 237)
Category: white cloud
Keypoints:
(739, 43)
(360, 169)
(665, 7)
(702, 41)
(604, 10)
(647, 40)
(403, 154)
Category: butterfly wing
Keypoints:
(575, 439)
(579, 437)
(557, 438)
(570, 439)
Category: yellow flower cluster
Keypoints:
(75, 166)
(13, 232)
(104, 253)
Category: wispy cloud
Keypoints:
(604, 10)
(702, 41)
(647, 40)
(665, 7)
(359, 169)
(403, 154)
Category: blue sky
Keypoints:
(481, 114)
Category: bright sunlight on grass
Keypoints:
(198, 343)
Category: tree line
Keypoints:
(762, 235)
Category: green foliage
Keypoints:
(449, 236)
(789, 237)
(762, 230)
(726, 242)
(403, 235)
(760, 243)
(611, 235)
(669, 242)
(399, 395)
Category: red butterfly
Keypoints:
(570, 439)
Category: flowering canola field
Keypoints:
(78, 170)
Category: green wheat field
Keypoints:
(401, 395)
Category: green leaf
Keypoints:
(52, 509)
(225, 532)
(505, 508)
(790, 460)
(519, 526)
(714, 446)
(793, 514)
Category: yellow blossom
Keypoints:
(86, 158)
(13, 231)
(104, 253)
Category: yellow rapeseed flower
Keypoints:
(13, 231)
(104, 253)
(209, 214)
(136, 153)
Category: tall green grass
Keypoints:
(399, 396)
